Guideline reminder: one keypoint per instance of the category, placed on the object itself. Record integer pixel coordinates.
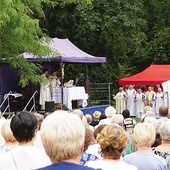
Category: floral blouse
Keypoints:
(162, 154)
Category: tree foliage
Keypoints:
(115, 29)
(20, 32)
(131, 34)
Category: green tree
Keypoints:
(131, 34)
(20, 32)
(158, 33)
(115, 29)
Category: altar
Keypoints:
(74, 93)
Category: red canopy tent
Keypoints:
(154, 74)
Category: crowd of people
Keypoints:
(72, 140)
(135, 99)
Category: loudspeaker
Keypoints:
(49, 106)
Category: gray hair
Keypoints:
(110, 111)
(78, 112)
(152, 120)
(118, 118)
(165, 130)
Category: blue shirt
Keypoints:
(66, 166)
(146, 161)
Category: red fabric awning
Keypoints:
(154, 74)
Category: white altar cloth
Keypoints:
(74, 93)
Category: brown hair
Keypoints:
(112, 141)
(40, 119)
(98, 130)
(88, 138)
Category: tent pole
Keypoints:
(87, 76)
(62, 77)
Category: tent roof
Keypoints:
(68, 52)
(154, 74)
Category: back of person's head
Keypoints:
(6, 131)
(23, 126)
(152, 120)
(89, 139)
(158, 140)
(119, 119)
(163, 111)
(97, 115)
(89, 118)
(98, 130)
(112, 141)
(102, 116)
(144, 134)
(148, 108)
(165, 130)
(62, 136)
(84, 120)
(110, 111)
(129, 124)
(40, 119)
(147, 114)
(126, 114)
(2, 120)
(78, 112)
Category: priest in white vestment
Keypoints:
(55, 89)
(120, 100)
(130, 95)
(139, 99)
(150, 98)
(159, 101)
(44, 90)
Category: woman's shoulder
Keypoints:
(160, 153)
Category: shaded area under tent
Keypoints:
(66, 52)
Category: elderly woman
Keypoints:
(112, 141)
(94, 148)
(96, 116)
(63, 139)
(110, 111)
(153, 121)
(10, 141)
(89, 140)
(2, 120)
(143, 158)
(163, 150)
(89, 121)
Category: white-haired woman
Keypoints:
(63, 139)
(144, 159)
(96, 116)
(10, 141)
(163, 150)
(110, 111)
